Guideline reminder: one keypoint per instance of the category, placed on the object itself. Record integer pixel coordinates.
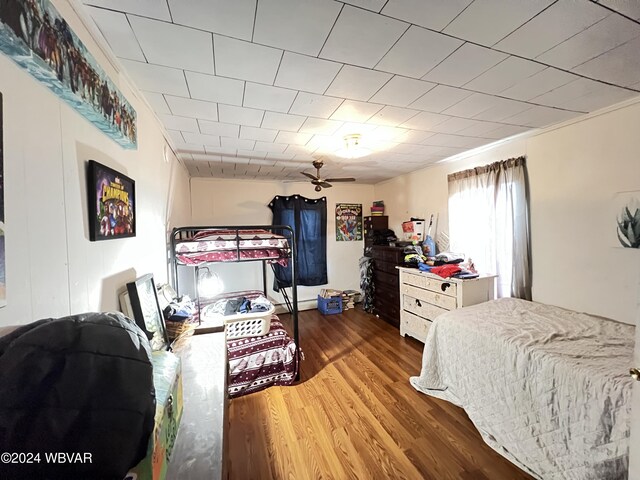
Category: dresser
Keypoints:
(386, 297)
(425, 296)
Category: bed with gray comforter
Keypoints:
(547, 388)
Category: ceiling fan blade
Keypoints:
(325, 184)
(340, 180)
(312, 177)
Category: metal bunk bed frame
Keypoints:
(181, 233)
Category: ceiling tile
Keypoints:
(432, 14)
(453, 125)
(401, 91)
(199, 138)
(465, 64)
(310, 74)
(146, 8)
(473, 105)
(215, 89)
(296, 150)
(572, 90)
(620, 66)
(488, 21)
(360, 37)
(176, 136)
(504, 75)
(320, 126)
(417, 52)
(357, 83)
(479, 129)
(352, 111)
(187, 107)
(440, 98)
(116, 30)
(228, 142)
(389, 134)
(447, 140)
(219, 129)
(267, 97)
(506, 131)
(540, 117)
(614, 30)
(240, 115)
(425, 121)
(234, 19)
(373, 5)
(179, 123)
(539, 83)
(282, 121)
(312, 105)
(156, 78)
(392, 116)
(157, 102)
(261, 134)
(297, 26)
(560, 21)
(630, 9)
(604, 96)
(500, 108)
(174, 46)
(245, 60)
(293, 138)
(253, 155)
(270, 147)
(414, 136)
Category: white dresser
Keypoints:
(424, 296)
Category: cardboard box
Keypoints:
(167, 380)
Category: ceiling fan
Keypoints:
(323, 183)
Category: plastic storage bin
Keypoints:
(329, 306)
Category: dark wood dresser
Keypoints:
(386, 299)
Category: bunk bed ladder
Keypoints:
(282, 290)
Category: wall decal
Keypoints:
(348, 222)
(35, 36)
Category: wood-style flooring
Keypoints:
(354, 414)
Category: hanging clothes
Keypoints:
(366, 283)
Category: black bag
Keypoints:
(76, 385)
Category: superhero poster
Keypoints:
(111, 203)
(348, 222)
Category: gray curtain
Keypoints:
(489, 220)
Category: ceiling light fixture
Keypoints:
(352, 147)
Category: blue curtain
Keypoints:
(308, 218)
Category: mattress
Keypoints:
(232, 245)
(547, 388)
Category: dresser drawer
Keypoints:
(387, 254)
(387, 279)
(389, 267)
(427, 296)
(414, 325)
(421, 307)
(435, 285)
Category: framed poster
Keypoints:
(3, 280)
(111, 203)
(348, 222)
(36, 37)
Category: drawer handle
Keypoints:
(418, 303)
(444, 286)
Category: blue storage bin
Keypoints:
(329, 306)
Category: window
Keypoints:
(489, 223)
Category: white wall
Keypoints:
(52, 269)
(574, 172)
(244, 202)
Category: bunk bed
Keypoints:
(258, 361)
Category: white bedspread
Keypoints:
(546, 387)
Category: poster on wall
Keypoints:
(3, 280)
(111, 203)
(35, 36)
(627, 226)
(348, 222)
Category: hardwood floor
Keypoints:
(354, 414)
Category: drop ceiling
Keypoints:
(259, 90)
